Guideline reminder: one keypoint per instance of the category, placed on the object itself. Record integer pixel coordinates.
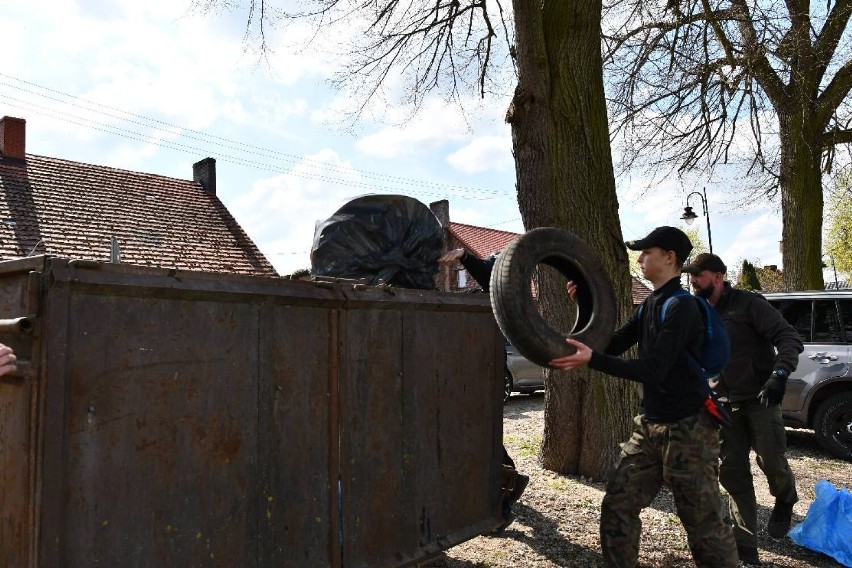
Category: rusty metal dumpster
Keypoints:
(169, 418)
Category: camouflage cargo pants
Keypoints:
(685, 457)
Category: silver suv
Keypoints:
(522, 375)
(819, 393)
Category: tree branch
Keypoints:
(834, 93)
(834, 137)
(756, 60)
(829, 38)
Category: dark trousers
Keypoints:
(762, 429)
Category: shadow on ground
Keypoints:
(545, 540)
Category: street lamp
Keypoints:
(689, 215)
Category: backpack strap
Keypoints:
(717, 411)
(676, 294)
(681, 293)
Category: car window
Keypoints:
(826, 322)
(846, 318)
(798, 314)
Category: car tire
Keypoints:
(514, 307)
(833, 425)
(508, 383)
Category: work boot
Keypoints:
(521, 482)
(514, 484)
(780, 519)
(748, 555)
(508, 519)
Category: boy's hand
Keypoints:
(581, 357)
(571, 288)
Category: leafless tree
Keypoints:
(698, 83)
(550, 52)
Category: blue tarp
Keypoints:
(827, 527)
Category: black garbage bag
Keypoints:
(382, 238)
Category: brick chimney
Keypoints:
(13, 137)
(204, 172)
(445, 277)
(441, 209)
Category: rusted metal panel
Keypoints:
(188, 419)
(299, 495)
(419, 451)
(459, 436)
(19, 414)
(162, 432)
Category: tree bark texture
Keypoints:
(565, 179)
(801, 201)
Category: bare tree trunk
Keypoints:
(801, 203)
(565, 179)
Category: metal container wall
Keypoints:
(174, 418)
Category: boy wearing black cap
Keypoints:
(764, 351)
(674, 441)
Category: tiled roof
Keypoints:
(481, 241)
(484, 242)
(71, 209)
(639, 290)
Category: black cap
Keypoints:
(667, 238)
(706, 261)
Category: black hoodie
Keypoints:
(672, 388)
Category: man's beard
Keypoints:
(705, 292)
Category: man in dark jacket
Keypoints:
(675, 441)
(753, 382)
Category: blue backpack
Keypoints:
(716, 349)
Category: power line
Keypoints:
(386, 181)
(140, 137)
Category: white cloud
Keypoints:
(438, 124)
(482, 154)
(425, 133)
(280, 213)
(756, 240)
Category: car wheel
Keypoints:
(507, 385)
(514, 307)
(833, 425)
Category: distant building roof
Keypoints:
(639, 290)
(481, 241)
(71, 209)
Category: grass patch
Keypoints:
(526, 447)
(530, 448)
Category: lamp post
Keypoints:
(689, 215)
(836, 284)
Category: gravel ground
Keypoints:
(557, 517)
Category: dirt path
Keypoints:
(557, 517)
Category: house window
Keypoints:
(461, 278)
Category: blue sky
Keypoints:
(149, 86)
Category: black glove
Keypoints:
(773, 390)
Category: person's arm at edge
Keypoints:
(478, 268)
(7, 360)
